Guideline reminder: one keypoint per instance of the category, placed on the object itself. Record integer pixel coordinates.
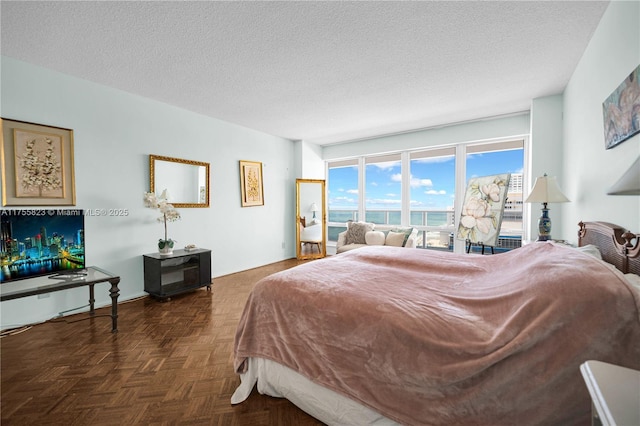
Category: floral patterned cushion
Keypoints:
(356, 232)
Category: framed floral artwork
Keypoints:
(252, 190)
(481, 215)
(37, 164)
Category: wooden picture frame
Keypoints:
(37, 164)
(252, 190)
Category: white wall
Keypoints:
(114, 133)
(546, 156)
(588, 169)
(310, 163)
(509, 126)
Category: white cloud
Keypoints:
(352, 191)
(413, 181)
(386, 164)
(435, 192)
(420, 182)
(382, 201)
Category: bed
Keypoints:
(378, 336)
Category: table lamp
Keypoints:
(314, 209)
(545, 190)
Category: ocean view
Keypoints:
(392, 217)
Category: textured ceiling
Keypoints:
(324, 72)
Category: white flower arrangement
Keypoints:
(168, 214)
(40, 172)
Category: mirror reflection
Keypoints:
(310, 218)
(186, 181)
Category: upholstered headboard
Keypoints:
(617, 245)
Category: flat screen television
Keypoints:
(36, 242)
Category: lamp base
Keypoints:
(544, 225)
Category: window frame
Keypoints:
(461, 150)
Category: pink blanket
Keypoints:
(426, 337)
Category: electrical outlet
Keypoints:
(283, 245)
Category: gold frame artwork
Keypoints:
(252, 188)
(37, 164)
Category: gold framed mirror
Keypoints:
(186, 181)
(311, 219)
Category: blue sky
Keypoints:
(432, 181)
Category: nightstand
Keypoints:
(615, 393)
(182, 271)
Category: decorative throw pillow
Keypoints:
(374, 238)
(395, 239)
(406, 231)
(356, 232)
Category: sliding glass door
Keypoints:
(496, 158)
(432, 186)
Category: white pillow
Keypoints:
(634, 280)
(590, 249)
(374, 238)
(395, 239)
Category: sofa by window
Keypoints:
(361, 234)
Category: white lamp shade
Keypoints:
(546, 190)
(629, 183)
(314, 207)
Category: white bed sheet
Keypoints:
(329, 407)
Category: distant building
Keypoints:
(514, 195)
(43, 235)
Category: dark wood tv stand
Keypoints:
(63, 281)
(169, 275)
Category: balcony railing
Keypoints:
(436, 228)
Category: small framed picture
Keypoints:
(37, 165)
(251, 183)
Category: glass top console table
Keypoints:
(63, 281)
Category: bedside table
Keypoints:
(184, 270)
(615, 393)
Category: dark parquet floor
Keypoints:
(170, 363)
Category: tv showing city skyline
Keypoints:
(35, 242)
